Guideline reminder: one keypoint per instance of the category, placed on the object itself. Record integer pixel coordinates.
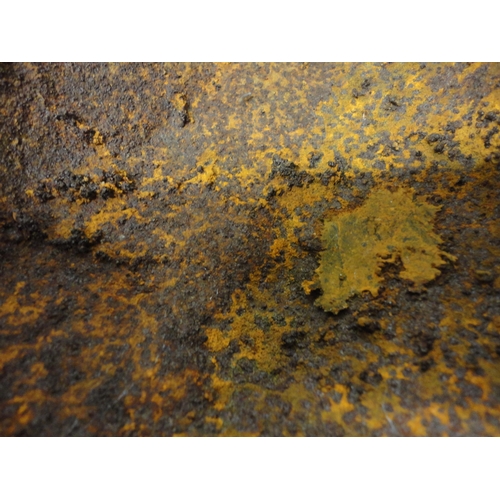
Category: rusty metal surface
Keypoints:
(254, 249)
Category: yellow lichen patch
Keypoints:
(353, 125)
(218, 422)
(388, 227)
(180, 102)
(223, 390)
(208, 169)
(21, 309)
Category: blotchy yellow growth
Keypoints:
(389, 226)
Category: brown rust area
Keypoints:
(158, 223)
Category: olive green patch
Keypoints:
(390, 226)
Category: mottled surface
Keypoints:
(159, 226)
